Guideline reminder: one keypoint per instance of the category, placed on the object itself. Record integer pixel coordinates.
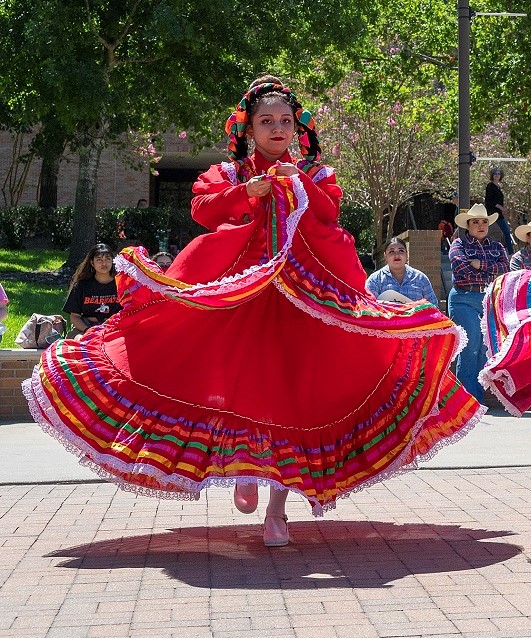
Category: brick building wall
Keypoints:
(424, 248)
(15, 366)
(118, 184)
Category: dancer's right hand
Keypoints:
(257, 187)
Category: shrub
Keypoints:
(21, 225)
(358, 221)
(17, 224)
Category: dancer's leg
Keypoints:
(276, 532)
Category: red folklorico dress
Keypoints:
(259, 355)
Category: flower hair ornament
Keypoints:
(237, 123)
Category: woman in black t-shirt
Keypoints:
(92, 296)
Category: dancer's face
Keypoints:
(478, 228)
(272, 127)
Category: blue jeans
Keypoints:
(466, 309)
(504, 227)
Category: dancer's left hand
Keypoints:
(286, 169)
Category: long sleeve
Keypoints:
(374, 283)
(492, 257)
(493, 197)
(217, 201)
(498, 266)
(428, 292)
(517, 263)
(324, 197)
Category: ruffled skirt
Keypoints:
(279, 372)
(506, 327)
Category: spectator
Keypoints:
(163, 259)
(476, 261)
(142, 203)
(398, 276)
(447, 230)
(92, 297)
(3, 310)
(522, 259)
(494, 204)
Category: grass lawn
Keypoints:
(26, 298)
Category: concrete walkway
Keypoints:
(439, 552)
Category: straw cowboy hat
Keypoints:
(521, 232)
(478, 211)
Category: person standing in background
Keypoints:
(476, 261)
(494, 204)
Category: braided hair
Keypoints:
(266, 87)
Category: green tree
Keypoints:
(101, 68)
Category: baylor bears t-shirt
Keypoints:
(90, 298)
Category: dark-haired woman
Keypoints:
(494, 203)
(397, 276)
(476, 261)
(92, 296)
(274, 365)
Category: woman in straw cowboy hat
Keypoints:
(522, 259)
(476, 261)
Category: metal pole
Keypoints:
(463, 15)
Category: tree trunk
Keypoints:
(84, 228)
(48, 181)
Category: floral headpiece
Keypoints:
(237, 123)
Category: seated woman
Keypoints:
(397, 276)
(92, 297)
(522, 259)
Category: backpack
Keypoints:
(40, 331)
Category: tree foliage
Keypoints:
(101, 68)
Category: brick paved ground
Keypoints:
(438, 553)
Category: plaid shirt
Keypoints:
(522, 259)
(493, 261)
(415, 284)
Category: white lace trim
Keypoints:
(233, 282)
(461, 341)
(230, 169)
(46, 417)
(323, 172)
(488, 379)
(483, 321)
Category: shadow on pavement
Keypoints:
(323, 554)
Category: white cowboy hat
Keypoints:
(521, 232)
(393, 295)
(478, 211)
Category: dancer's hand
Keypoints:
(286, 169)
(257, 187)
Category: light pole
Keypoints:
(463, 22)
(464, 18)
